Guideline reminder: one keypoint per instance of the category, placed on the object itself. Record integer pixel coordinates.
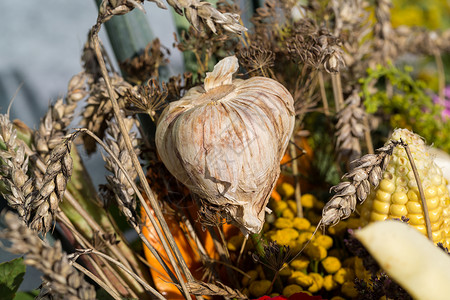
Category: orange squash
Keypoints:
(187, 246)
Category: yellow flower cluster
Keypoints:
(322, 267)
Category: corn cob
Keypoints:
(397, 195)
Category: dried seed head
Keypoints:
(225, 140)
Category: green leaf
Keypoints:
(11, 276)
(27, 295)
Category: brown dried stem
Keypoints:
(120, 265)
(135, 160)
(323, 94)
(97, 280)
(295, 172)
(130, 181)
(419, 186)
(64, 281)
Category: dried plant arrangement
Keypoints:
(248, 176)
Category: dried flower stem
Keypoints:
(295, 172)
(114, 281)
(419, 186)
(337, 91)
(97, 280)
(367, 135)
(120, 265)
(242, 250)
(323, 94)
(148, 191)
(138, 193)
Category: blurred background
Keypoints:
(40, 49)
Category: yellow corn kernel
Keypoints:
(413, 195)
(308, 200)
(383, 196)
(317, 282)
(399, 198)
(324, 241)
(300, 263)
(301, 223)
(416, 219)
(291, 290)
(414, 207)
(286, 190)
(431, 192)
(259, 288)
(397, 194)
(380, 207)
(387, 186)
(374, 216)
(398, 210)
(329, 283)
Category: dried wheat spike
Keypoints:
(197, 11)
(64, 281)
(421, 41)
(53, 127)
(350, 128)
(59, 170)
(367, 171)
(18, 185)
(219, 289)
(98, 107)
(117, 183)
(384, 35)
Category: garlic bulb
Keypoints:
(225, 140)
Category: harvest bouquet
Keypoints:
(266, 170)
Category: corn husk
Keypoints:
(225, 140)
(409, 258)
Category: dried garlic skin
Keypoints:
(225, 140)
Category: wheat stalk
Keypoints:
(367, 171)
(63, 281)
